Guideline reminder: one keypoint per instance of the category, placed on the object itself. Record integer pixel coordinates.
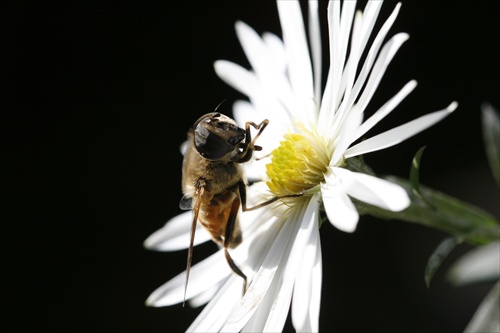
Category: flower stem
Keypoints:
(447, 214)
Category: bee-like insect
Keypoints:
(213, 182)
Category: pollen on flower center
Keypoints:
(297, 165)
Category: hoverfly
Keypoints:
(213, 182)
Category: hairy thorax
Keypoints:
(216, 176)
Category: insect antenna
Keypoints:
(218, 105)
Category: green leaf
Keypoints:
(438, 256)
(415, 177)
(414, 171)
(357, 164)
(491, 135)
(487, 316)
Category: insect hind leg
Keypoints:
(228, 241)
(236, 269)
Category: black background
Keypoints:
(96, 99)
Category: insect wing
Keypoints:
(186, 202)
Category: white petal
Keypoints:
(253, 46)
(243, 111)
(236, 76)
(276, 51)
(317, 277)
(272, 78)
(271, 314)
(339, 209)
(373, 190)
(205, 296)
(383, 60)
(351, 66)
(204, 275)
(299, 62)
(265, 314)
(339, 27)
(345, 135)
(265, 305)
(257, 111)
(262, 280)
(385, 109)
(315, 40)
(400, 133)
(330, 120)
(175, 234)
(343, 36)
(307, 289)
(300, 253)
(371, 13)
(256, 245)
(215, 313)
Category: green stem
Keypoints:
(447, 214)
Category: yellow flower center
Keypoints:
(298, 164)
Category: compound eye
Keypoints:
(210, 145)
(216, 135)
(239, 135)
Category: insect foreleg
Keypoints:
(249, 144)
(259, 127)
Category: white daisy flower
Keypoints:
(311, 134)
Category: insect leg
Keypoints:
(228, 238)
(196, 209)
(249, 145)
(259, 127)
(243, 196)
